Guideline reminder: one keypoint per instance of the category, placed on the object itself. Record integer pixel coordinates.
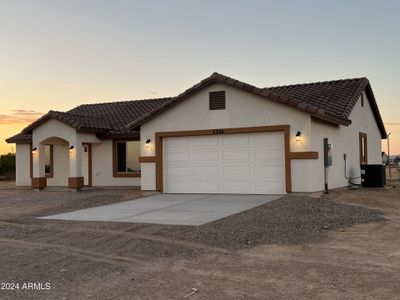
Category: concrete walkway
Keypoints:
(177, 209)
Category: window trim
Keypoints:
(51, 174)
(114, 159)
(361, 136)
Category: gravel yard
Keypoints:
(337, 246)
(291, 220)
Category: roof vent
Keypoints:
(217, 100)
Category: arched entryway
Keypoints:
(59, 162)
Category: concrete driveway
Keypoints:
(176, 209)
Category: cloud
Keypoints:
(20, 116)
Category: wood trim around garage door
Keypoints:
(159, 146)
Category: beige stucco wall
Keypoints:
(345, 140)
(242, 110)
(22, 164)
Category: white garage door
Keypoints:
(251, 163)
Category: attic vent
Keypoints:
(217, 100)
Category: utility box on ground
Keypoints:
(373, 175)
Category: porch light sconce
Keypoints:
(34, 150)
(71, 148)
(298, 134)
(148, 143)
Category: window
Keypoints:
(363, 149)
(126, 158)
(48, 160)
(217, 100)
(362, 100)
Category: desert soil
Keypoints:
(342, 245)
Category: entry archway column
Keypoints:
(75, 179)
(39, 180)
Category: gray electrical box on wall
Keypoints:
(327, 153)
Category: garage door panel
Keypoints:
(176, 143)
(178, 171)
(269, 155)
(180, 156)
(208, 171)
(205, 156)
(235, 155)
(269, 186)
(179, 186)
(203, 141)
(242, 187)
(205, 187)
(243, 170)
(235, 140)
(248, 163)
(275, 170)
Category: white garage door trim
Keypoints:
(243, 163)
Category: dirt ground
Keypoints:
(353, 255)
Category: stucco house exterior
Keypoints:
(219, 136)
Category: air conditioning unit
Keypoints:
(373, 175)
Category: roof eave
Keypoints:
(16, 141)
(264, 93)
(132, 135)
(375, 111)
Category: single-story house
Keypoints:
(219, 136)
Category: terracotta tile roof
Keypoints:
(121, 113)
(332, 101)
(79, 122)
(108, 120)
(336, 97)
(20, 139)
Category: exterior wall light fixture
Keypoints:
(148, 143)
(298, 134)
(34, 150)
(71, 148)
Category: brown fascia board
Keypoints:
(90, 130)
(375, 110)
(219, 78)
(18, 140)
(366, 86)
(104, 136)
(357, 93)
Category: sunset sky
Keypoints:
(59, 54)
